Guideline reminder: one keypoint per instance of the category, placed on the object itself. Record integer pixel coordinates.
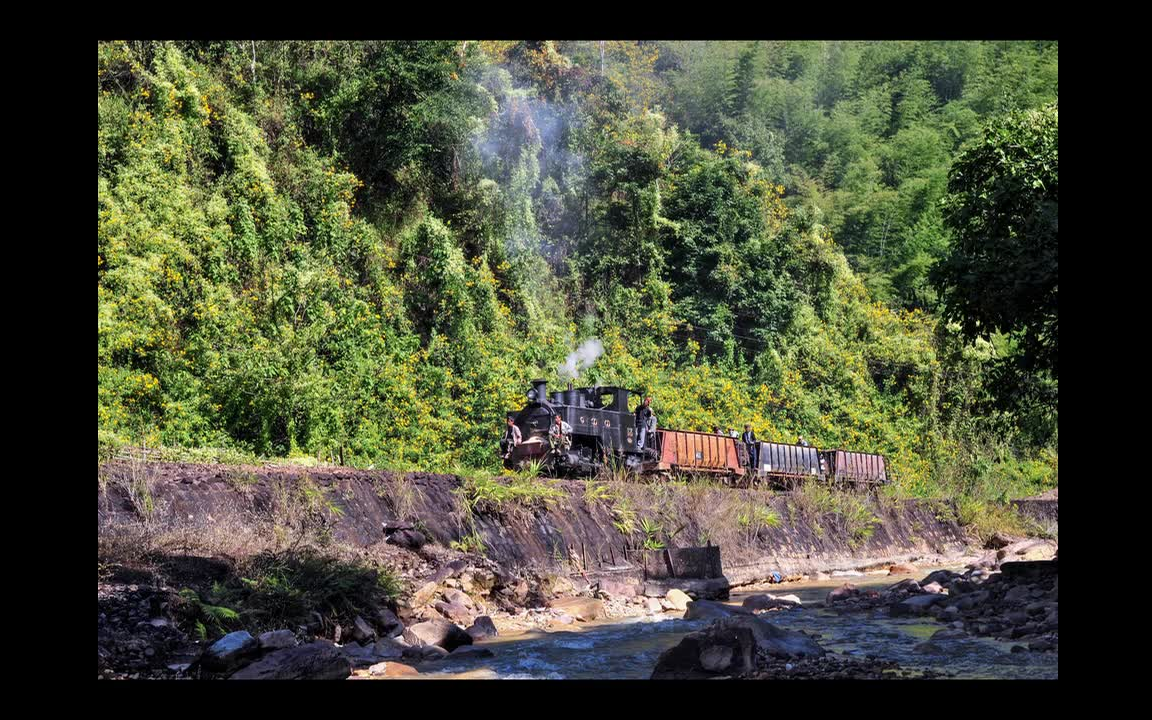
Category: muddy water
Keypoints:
(628, 648)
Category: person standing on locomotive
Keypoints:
(559, 435)
(512, 438)
(643, 413)
(749, 439)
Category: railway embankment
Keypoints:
(559, 525)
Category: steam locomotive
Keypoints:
(604, 433)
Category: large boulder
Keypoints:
(482, 628)
(314, 661)
(362, 631)
(904, 586)
(389, 624)
(770, 602)
(844, 592)
(230, 651)
(425, 593)
(943, 577)
(678, 598)
(277, 640)
(455, 612)
(410, 539)
(459, 597)
(708, 610)
(437, 632)
(729, 647)
(916, 605)
(387, 649)
(581, 608)
(393, 669)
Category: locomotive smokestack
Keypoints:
(541, 389)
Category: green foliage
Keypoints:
(470, 543)
(1002, 273)
(361, 252)
(483, 492)
(276, 590)
(202, 619)
(652, 531)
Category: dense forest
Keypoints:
(364, 250)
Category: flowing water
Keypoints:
(629, 648)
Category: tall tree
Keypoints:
(1002, 274)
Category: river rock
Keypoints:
(426, 592)
(653, 606)
(277, 640)
(471, 651)
(904, 586)
(482, 628)
(433, 652)
(581, 608)
(971, 600)
(314, 661)
(460, 598)
(959, 587)
(709, 610)
(729, 647)
(759, 602)
(362, 631)
(410, 539)
(389, 624)
(932, 587)
(393, 669)
(1017, 594)
(770, 602)
(943, 577)
(678, 598)
(916, 605)
(230, 651)
(437, 632)
(845, 591)
(455, 612)
(901, 569)
(388, 649)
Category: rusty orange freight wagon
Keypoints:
(696, 452)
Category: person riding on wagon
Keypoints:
(560, 435)
(512, 437)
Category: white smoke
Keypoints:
(581, 358)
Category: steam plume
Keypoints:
(581, 358)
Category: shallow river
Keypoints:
(628, 648)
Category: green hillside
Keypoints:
(364, 250)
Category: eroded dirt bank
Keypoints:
(576, 531)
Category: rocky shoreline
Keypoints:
(163, 613)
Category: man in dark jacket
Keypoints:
(643, 414)
(750, 443)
